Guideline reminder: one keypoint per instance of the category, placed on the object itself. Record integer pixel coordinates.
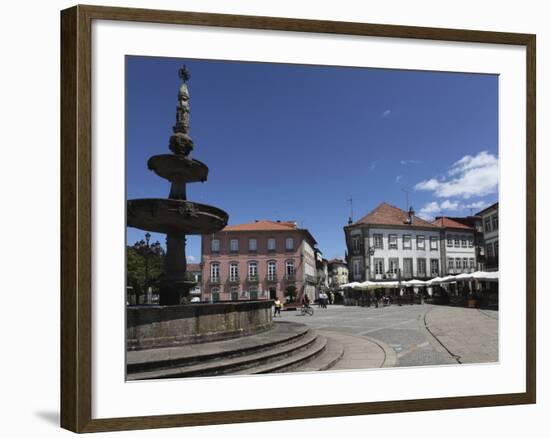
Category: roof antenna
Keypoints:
(406, 199)
(350, 219)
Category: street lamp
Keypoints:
(371, 253)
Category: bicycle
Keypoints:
(306, 310)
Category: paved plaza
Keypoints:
(408, 335)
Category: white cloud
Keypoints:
(408, 162)
(191, 258)
(450, 205)
(429, 210)
(386, 113)
(398, 178)
(471, 176)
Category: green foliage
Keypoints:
(136, 262)
(291, 292)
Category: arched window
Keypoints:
(289, 243)
(233, 271)
(214, 272)
(253, 271)
(271, 270)
(289, 269)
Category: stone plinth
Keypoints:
(169, 326)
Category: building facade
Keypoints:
(194, 270)
(392, 244)
(489, 220)
(259, 260)
(337, 273)
(458, 249)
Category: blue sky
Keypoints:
(294, 142)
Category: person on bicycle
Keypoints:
(305, 300)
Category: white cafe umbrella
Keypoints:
(486, 276)
(414, 283)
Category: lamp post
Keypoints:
(371, 254)
(147, 252)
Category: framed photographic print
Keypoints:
(258, 202)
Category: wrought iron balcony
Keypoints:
(253, 278)
(234, 279)
(271, 278)
(290, 277)
(214, 280)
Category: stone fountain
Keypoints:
(176, 216)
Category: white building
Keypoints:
(337, 273)
(489, 219)
(390, 243)
(458, 247)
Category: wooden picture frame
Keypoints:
(76, 218)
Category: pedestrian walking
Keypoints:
(278, 307)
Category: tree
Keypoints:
(140, 258)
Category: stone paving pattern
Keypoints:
(409, 335)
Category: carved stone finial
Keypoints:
(181, 142)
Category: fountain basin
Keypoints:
(174, 216)
(178, 168)
(171, 326)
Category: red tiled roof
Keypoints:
(445, 222)
(386, 214)
(193, 266)
(263, 225)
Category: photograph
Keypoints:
(292, 218)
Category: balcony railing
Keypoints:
(253, 278)
(234, 279)
(311, 278)
(290, 277)
(214, 280)
(271, 278)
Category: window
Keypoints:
(472, 263)
(464, 263)
(234, 246)
(215, 272)
(449, 240)
(379, 266)
(271, 270)
(433, 243)
(271, 244)
(289, 244)
(421, 267)
(496, 248)
(458, 264)
(406, 241)
(394, 266)
(215, 245)
(356, 269)
(464, 242)
(233, 271)
(420, 242)
(355, 243)
(494, 222)
(378, 241)
(470, 242)
(252, 270)
(434, 267)
(407, 267)
(392, 241)
(252, 245)
(450, 263)
(289, 268)
(490, 250)
(487, 224)
(457, 241)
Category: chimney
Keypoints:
(411, 216)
